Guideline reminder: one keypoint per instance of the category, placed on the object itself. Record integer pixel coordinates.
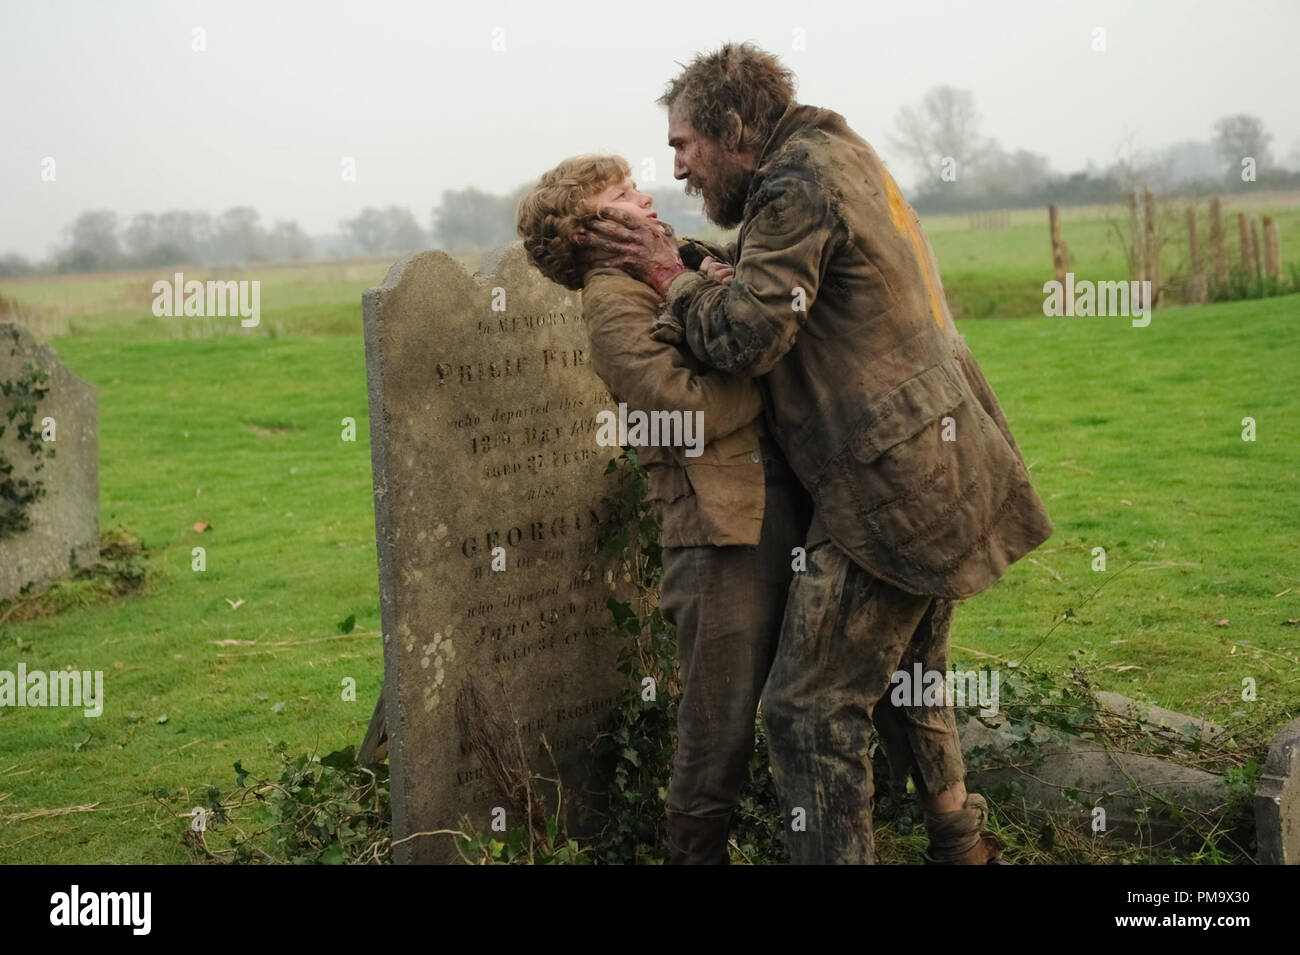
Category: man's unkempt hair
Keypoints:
(558, 208)
(739, 78)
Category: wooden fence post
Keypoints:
(1254, 249)
(1243, 234)
(1216, 242)
(1135, 239)
(1152, 246)
(1272, 256)
(1196, 286)
(1058, 253)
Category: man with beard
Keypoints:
(921, 495)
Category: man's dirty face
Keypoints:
(709, 169)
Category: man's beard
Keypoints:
(724, 197)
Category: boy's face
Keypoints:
(625, 195)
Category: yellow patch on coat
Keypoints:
(905, 224)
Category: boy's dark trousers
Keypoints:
(727, 604)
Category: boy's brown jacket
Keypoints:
(877, 403)
(717, 497)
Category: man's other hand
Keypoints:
(720, 272)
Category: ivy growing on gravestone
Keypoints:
(21, 396)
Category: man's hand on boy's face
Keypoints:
(644, 248)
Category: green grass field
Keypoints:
(1133, 437)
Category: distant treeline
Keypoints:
(1024, 181)
(959, 171)
(465, 219)
(98, 241)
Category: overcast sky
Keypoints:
(137, 120)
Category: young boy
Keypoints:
(729, 518)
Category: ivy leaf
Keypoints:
(333, 855)
(622, 611)
(341, 758)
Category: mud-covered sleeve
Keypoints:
(693, 252)
(652, 375)
(786, 244)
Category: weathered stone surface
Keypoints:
(1277, 800)
(483, 436)
(1086, 767)
(1157, 717)
(64, 522)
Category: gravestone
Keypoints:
(1277, 800)
(63, 524)
(482, 415)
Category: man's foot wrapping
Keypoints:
(958, 838)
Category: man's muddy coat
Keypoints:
(837, 304)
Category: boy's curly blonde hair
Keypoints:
(557, 209)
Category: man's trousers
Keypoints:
(844, 635)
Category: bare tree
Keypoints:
(141, 236)
(472, 219)
(404, 232)
(13, 265)
(377, 231)
(239, 236)
(1242, 135)
(92, 243)
(188, 232)
(944, 125)
(147, 246)
(1136, 168)
(287, 242)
